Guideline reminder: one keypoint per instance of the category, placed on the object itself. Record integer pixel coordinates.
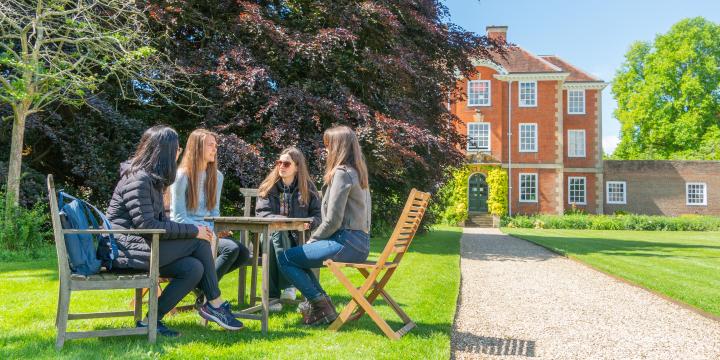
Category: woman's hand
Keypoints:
(307, 226)
(225, 234)
(205, 233)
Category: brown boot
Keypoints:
(304, 307)
(322, 311)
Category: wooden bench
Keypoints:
(103, 281)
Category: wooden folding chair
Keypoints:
(396, 248)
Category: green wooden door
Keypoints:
(477, 194)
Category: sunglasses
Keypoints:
(281, 163)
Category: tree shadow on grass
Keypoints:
(435, 242)
(612, 246)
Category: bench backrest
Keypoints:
(62, 254)
(406, 227)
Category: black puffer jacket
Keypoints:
(270, 206)
(137, 203)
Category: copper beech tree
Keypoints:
(280, 72)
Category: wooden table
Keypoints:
(263, 226)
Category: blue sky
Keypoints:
(591, 34)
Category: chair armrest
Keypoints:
(115, 231)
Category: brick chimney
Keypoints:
(497, 32)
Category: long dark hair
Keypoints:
(302, 176)
(156, 154)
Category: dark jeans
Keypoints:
(343, 246)
(230, 255)
(189, 264)
(279, 242)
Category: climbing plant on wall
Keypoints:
(452, 204)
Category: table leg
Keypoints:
(265, 282)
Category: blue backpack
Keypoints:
(85, 257)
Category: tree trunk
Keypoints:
(15, 163)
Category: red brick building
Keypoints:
(539, 117)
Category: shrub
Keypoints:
(27, 230)
(614, 222)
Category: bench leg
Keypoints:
(138, 304)
(242, 279)
(62, 316)
(254, 272)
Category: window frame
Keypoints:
(584, 179)
(584, 147)
(520, 193)
(520, 138)
(489, 137)
(489, 92)
(535, 94)
(607, 192)
(687, 193)
(584, 102)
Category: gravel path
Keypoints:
(519, 300)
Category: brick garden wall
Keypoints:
(657, 187)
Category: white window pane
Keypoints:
(528, 137)
(528, 187)
(696, 194)
(479, 92)
(479, 136)
(576, 101)
(616, 192)
(576, 143)
(576, 190)
(528, 93)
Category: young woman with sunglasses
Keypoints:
(184, 249)
(343, 234)
(195, 195)
(287, 192)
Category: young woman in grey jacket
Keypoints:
(343, 234)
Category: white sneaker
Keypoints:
(288, 294)
(276, 307)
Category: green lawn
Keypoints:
(682, 265)
(426, 285)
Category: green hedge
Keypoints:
(615, 222)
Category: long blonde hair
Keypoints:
(344, 149)
(302, 176)
(191, 163)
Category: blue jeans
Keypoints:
(343, 246)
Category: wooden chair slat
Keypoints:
(365, 265)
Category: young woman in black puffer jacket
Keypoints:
(184, 250)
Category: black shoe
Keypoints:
(161, 329)
(221, 315)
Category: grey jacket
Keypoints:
(137, 203)
(345, 205)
